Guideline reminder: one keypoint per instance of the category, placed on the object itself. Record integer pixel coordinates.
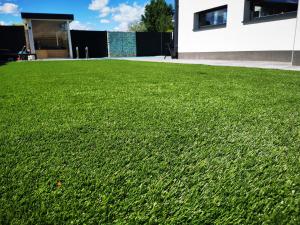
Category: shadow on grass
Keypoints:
(2, 63)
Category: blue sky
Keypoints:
(89, 14)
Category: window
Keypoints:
(257, 9)
(50, 35)
(211, 18)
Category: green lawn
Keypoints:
(118, 142)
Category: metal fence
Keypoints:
(12, 40)
(95, 41)
(153, 43)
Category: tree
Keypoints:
(137, 27)
(158, 16)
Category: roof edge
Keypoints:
(47, 16)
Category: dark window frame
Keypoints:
(268, 18)
(197, 26)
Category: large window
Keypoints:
(256, 9)
(50, 35)
(211, 18)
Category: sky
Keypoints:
(89, 14)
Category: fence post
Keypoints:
(86, 52)
(77, 52)
(108, 44)
(161, 40)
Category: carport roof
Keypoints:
(47, 16)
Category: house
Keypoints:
(262, 30)
(48, 35)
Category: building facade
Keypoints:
(262, 30)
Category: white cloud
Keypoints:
(124, 14)
(2, 23)
(101, 6)
(105, 12)
(9, 8)
(104, 21)
(98, 4)
(77, 25)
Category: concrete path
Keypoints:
(251, 64)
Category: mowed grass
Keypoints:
(117, 142)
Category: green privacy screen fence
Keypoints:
(131, 44)
(121, 44)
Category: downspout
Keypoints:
(176, 28)
(295, 36)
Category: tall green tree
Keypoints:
(158, 16)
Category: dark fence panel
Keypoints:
(152, 43)
(167, 41)
(12, 40)
(96, 41)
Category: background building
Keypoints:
(48, 35)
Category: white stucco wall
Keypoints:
(264, 36)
